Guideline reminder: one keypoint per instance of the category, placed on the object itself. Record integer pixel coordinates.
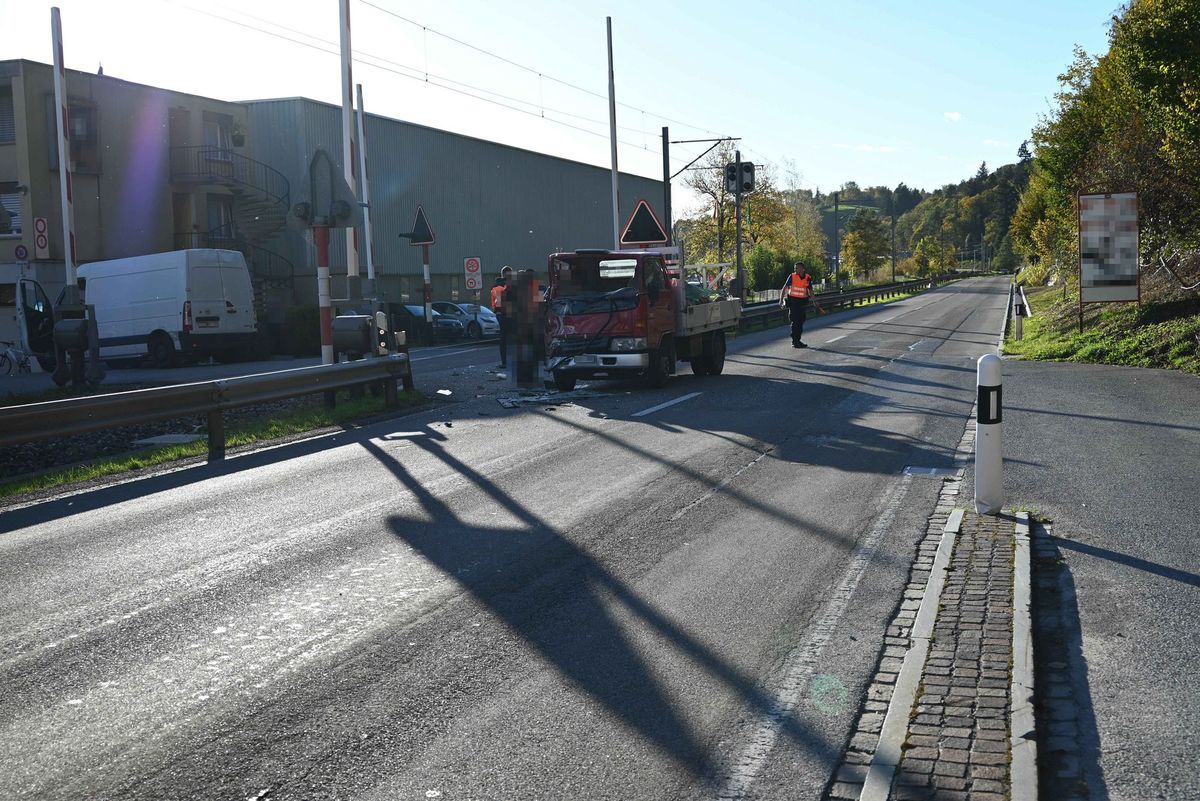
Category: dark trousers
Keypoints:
(798, 309)
(505, 335)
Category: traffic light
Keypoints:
(739, 184)
(747, 182)
(731, 178)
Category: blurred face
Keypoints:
(506, 276)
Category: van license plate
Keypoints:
(209, 325)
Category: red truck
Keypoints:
(615, 314)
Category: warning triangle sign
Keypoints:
(643, 227)
(421, 234)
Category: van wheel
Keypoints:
(162, 351)
(474, 331)
(564, 383)
(716, 357)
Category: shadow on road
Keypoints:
(1068, 739)
(563, 603)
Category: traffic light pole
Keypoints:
(737, 211)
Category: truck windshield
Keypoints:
(585, 285)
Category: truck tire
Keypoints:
(716, 357)
(662, 363)
(700, 364)
(162, 350)
(563, 382)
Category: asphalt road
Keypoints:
(601, 600)
(1111, 455)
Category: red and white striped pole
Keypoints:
(64, 155)
(321, 240)
(347, 138)
(366, 186)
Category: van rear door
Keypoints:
(206, 291)
(238, 292)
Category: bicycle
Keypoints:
(14, 357)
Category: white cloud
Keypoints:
(952, 116)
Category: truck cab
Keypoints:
(614, 314)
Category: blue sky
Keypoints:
(874, 92)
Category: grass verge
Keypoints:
(1163, 335)
(310, 416)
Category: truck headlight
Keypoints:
(628, 343)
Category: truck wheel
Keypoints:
(563, 382)
(700, 364)
(662, 363)
(162, 350)
(716, 358)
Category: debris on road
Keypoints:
(444, 392)
(538, 398)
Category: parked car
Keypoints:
(480, 321)
(410, 317)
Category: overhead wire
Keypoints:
(529, 69)
(429, 78)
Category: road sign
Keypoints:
(21, 252)
(41, 238)
(1108, 247)
(422, 233)
(472, 267)
(643, 228)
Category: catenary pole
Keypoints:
(612, 135)
(348, 141)
(366, 187)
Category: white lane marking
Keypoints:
(835, 339)
(761, 732)
(454, 353)
(654, 409)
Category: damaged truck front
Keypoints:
(615, 314)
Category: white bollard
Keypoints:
(989, 457)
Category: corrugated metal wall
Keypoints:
(499, 203)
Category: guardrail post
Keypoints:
(402, 347)
(216, 436)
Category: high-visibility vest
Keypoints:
(498, 298)
(799, 286)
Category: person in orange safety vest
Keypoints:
(796, 294)
(502, 313)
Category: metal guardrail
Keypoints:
(63, 418)
(763, 313)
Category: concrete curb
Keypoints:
(1023, 773)
(887, 755)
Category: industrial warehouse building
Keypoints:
(159, 170)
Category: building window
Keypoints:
(10, 211)
(8, 118)
(83, 123)
(218, 136)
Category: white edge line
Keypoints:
(1023, 776)
(887, 755)
(801, 663)
(660, 406)
(835, 339)
(438, 356)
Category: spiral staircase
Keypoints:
(260, 200)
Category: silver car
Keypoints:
(480, 321)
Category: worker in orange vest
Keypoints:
(796, 294)
(502, 313)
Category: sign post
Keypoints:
(1108, 249)
(642, 228)
(422, 234)
(472, 275)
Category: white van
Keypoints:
(191, 303)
